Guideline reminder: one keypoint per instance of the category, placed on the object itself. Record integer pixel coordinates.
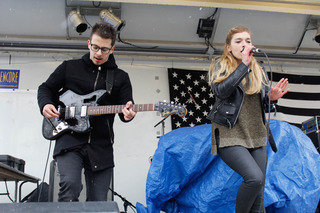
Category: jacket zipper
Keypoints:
(218, 107)
(239, 79)
(94, 88)
(239, 107)
(96, 81)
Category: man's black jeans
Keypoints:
(70, 165)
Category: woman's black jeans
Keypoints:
(251, 165)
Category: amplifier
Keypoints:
(311, 125)
(315, 138)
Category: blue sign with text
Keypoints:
(9, 79)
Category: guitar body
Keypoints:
(77, 122)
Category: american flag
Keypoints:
(191, 89)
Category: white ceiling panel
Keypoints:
(40, 25)
(32, 17)
(162, 22)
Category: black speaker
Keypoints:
(101, 206)
(312, 129)
(315, 137)
(34, 196)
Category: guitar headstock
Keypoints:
(167, 109)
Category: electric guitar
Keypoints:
(74, 115)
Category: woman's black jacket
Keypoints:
(229, 96)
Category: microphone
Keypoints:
(255, 50)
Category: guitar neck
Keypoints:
(113, 109)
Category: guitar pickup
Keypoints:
(70, 112)
(83, 111)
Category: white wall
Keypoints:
(20, 125)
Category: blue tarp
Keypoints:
(184, 177)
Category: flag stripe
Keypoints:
(298, 111)
(296, 79)
(302, 96)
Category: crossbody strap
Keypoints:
(109, 81)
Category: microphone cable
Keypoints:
(269, 99)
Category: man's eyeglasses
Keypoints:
(96, 48)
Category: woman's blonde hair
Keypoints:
(223, 66)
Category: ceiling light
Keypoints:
(108, 16)
(205, 27)
(77, 21)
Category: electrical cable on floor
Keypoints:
(45, 171)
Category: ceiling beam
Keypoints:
(310, 7)
(177, 50)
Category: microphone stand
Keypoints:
(162, 123)
(162, 128)
(317, 131)
(126, 203)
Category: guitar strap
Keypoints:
(109, 81)
(109, 84)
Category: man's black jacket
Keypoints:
(83, 77)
